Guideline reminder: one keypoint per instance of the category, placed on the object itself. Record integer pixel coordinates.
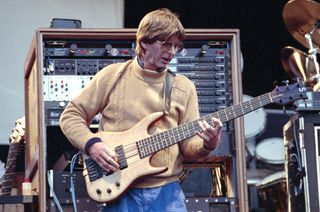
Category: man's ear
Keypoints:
(143, 44)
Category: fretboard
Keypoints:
(157, 142)
(10, 172)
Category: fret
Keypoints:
(144, 149)
(177, 135)
(260, 103)
(157, 146)
(246, 107)
(268, 98)
(195, 127)
(166, 139)
(185, 131)
(163, 139)
(151, 145)
(148, 151)
(256, 103)
(223, 115)
(216, 115)
(141, 148)
(191, 131)
(171, 137)
(230, 113)
(238, 110)
(179, 132)
(157, 141)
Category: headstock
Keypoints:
(289, 93)
(18, 132)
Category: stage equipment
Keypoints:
(309, 134)
(270, 154)
(254, 125)
(214, 204)
(61, 62)
(297, 64)
(272, 192)
(302, 18)
(302, 136)
(302, 21)
(293, 166)
(65, 23)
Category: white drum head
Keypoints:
(271, 151)
(255, 121)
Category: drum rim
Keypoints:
(275, 177)
(268, 160)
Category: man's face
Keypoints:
(159, 54)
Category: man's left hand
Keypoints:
(211, 134)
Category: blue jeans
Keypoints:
(167, 198)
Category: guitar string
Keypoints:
(148, 144)
(232, 111)
(130, 150)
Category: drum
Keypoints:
(270, 154)
(254, 122)
(272, 192)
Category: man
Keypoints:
(125, 93)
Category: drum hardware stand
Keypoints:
(312, 54)
(250, 152)
(303, 154)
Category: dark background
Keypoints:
(262, 32)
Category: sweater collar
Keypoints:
(148, 75)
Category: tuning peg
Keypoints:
(286, 82)
(284, 109)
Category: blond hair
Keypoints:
(160, 25)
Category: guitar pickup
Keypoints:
(122, 160)
(95, 171)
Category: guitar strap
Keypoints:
(167, 90)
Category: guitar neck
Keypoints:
(155, 143)
(7, 182)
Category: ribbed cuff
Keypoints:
(90, 142)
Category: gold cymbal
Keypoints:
(298, 65)
(300, 18)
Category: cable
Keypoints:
(73, 194)
(298, 158)
(55, 199)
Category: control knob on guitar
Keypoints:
(135, 146)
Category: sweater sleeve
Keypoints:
(193, 148)
(78, 114)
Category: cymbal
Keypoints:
(298, 65)
(300, 17)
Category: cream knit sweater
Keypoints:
(124, 93)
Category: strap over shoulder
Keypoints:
(167, 88)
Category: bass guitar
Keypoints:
(136, 146)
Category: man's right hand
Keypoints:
(104, 156)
